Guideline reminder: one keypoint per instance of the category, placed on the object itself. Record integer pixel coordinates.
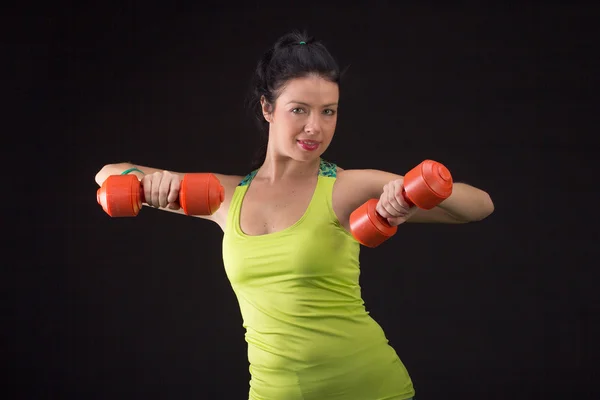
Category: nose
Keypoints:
(313, 125)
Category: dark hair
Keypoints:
(294, 55)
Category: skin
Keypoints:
(306, 109)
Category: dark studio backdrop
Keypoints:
(506, 308)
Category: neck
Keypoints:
(277, 168)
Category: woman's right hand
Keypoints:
(161, 189)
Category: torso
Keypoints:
(269, 208)
(292, 288)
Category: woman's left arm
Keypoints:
(465, 204)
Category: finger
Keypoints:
(388, 209)
(155, 191)
(383, 208)
(398, 210)
(164, 188)
(401, 198)
(173, 195)
(397, 201)
(147, 186)
(395, 221)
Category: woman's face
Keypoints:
(302, 124)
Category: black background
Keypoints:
(102, 308)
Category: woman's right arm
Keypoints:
(161, 187)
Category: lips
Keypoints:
(308, 145)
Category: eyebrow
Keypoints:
(308, 105)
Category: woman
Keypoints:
(287, 249)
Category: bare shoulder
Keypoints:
(362, 184)
(353, 187)
(229, 183)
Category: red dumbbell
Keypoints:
(425, 186)
(123, 195)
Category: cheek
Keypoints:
(331, 125)
(289, 122)
(294, 122)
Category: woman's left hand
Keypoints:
(392, 205)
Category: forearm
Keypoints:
(118, 168)
(115, 169)
(468, 203)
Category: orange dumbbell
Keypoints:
(123, 195)
(425, 186)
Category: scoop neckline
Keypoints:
(238, 224)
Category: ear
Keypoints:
(266, 108)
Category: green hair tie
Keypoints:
(130, 170)
(302, 42)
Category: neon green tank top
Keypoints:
(309, 335)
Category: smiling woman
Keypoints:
(304, 115)
(298, 77)
(311, 115)
(287, 249)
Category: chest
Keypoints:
(267, 209)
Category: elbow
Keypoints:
(479, 210)
(486, 209)
(99, 178)
(104, 173)
(111, 169)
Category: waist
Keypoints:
(311, 341)
(372, 372)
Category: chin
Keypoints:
(307, 157)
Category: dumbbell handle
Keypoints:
(123, 195)
(384, 221)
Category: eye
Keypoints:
(329, 111)
(297, 110)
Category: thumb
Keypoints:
(394, 221)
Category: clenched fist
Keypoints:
(392, 205)
(161, 189)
